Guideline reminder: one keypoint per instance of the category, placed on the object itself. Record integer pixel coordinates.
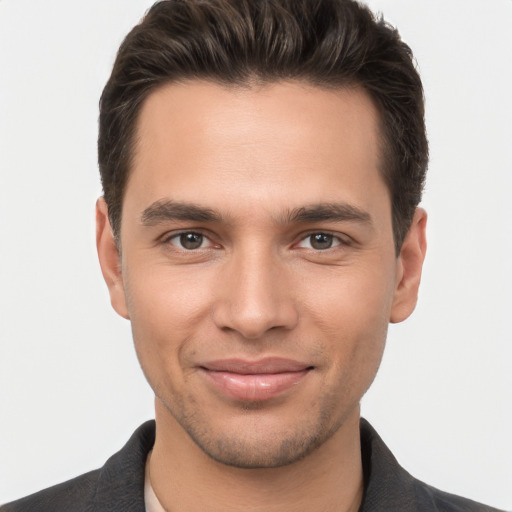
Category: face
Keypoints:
(258, 267)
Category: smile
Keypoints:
(255, 381)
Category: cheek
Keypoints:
(166, 308)
(159, 295)
(352, 310)
(353, 299)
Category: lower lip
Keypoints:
(255, 387)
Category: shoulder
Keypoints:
(388, 486)
(433, 499)
(75, 494)
(117, 487)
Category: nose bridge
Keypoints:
(255, 296)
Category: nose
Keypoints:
(254, 296)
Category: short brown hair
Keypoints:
(327, 43)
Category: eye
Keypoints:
(320, 241)
(189, 240)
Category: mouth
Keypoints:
(255, 380)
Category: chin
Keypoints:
(262, 454)
(257, 442)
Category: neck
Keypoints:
(184, 478)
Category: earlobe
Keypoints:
(109, 258)
(409, 267)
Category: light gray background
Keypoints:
(71, 391)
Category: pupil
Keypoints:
(191, 240)
(321, 241)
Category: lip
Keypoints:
(255, 380)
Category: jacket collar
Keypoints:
(387, 485)
(121, 480)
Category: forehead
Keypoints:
(200, 141)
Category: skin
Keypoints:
(259, 286)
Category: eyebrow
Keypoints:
(333, 212)
(168, 210)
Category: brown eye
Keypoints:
(191, 241)
(321, 241)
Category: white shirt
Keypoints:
(150, 499)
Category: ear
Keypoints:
(409, 267)
(110, 260)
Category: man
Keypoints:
(262, 166)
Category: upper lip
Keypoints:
(261, 366)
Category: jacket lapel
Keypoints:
(121, 480)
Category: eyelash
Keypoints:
(168, 239)
(336, 239)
